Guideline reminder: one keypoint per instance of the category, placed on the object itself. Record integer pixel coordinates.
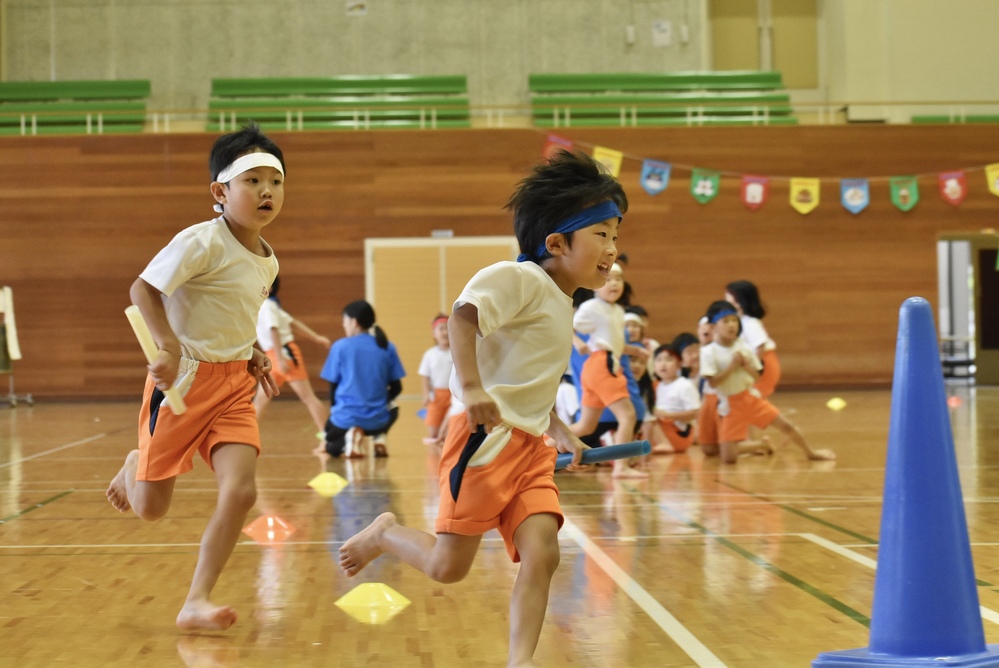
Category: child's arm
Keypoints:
(680, 416)
(428, 391)
(565, 440)
(150, 303)
(300, 326)
(738, 362)
(580, 345)
(461, 329)
(259, 366)
(635, 350)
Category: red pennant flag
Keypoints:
(953, 187)
(755, 190)
(552, 144)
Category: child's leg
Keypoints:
(446, 557)
(235, 468)
(795, 435)
(624, 411)
(589, 418)
(732, 450)
(318, 412)
(150, 500)
(536, 540)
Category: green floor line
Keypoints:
(811, 590)
(817, 520)
(36, 506)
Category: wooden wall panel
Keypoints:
(81, 216)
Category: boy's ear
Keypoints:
(555, 243)
(218, 192)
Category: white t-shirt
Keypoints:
(678, 396)
(523, 343)
(567, 402)
(272, 316)
(715, 358)
(213, 289)
(604, 322)
(436, 365)
(755, 334)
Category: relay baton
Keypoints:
(606, 453)
(176, 402)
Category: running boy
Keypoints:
(731, 367)
(219, 266)
(495, 469)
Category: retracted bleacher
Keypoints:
(342, 102)
(72, 107)
(634, 99)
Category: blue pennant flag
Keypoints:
(855, 194)
(655, 176)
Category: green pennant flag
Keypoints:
(704, 185)
(904, 192)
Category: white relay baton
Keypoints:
(176, 402)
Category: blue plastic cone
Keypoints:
(925, 597)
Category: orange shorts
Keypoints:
(770, 376)
(478, 495)
(745, 409)
(296, 365)
(219, 411)
(679, 443)
(438, 408)
(707, 420)
(601, 388)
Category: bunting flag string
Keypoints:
(804, 192)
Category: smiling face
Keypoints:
(587, 263)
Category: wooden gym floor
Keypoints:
(764, 563)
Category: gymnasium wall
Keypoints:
(81, 216)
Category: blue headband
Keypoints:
(721, 314)
(585, 218)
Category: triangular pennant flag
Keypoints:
(992, 176)
(953, 187)
(552, 144)
(655, 176)
(704, 185)
(609, 158)
(904, 192)
(804, 195)
(755, 190)
(855, 194)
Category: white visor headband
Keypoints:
(247, 162)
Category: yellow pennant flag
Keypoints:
(992, 176)
(804, 194)
(609, 158)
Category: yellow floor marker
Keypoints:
(269, 530)
(372, 603)
(328, 484)
(836, 404)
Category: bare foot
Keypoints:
(622, 470)
(764, 447)
(204, 616)
(117, 493)
(365, 547)
(320, 450)
(821, 455)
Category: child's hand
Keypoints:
(259, 367)
(164, 370)
(737, 361)
(481, 409)
(565, 441)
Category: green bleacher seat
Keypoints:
(970, 118)
(660, 98)
(343, 102)
(72, 107)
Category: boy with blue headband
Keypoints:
(511, 333)
(200, 297)
(731, 367)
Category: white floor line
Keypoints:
(693, 647)
(987, 613)
(49, 452)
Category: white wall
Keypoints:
(180, 45)
(911, 51)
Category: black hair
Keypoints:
(637, 310)
(555, 190)
(248, 139)
(666, 348)
(748, 298)
(275, 286)
(683, 340)
(364, 314)
(717, 307)
(581, 295)
(626, 295)
(622, 259)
